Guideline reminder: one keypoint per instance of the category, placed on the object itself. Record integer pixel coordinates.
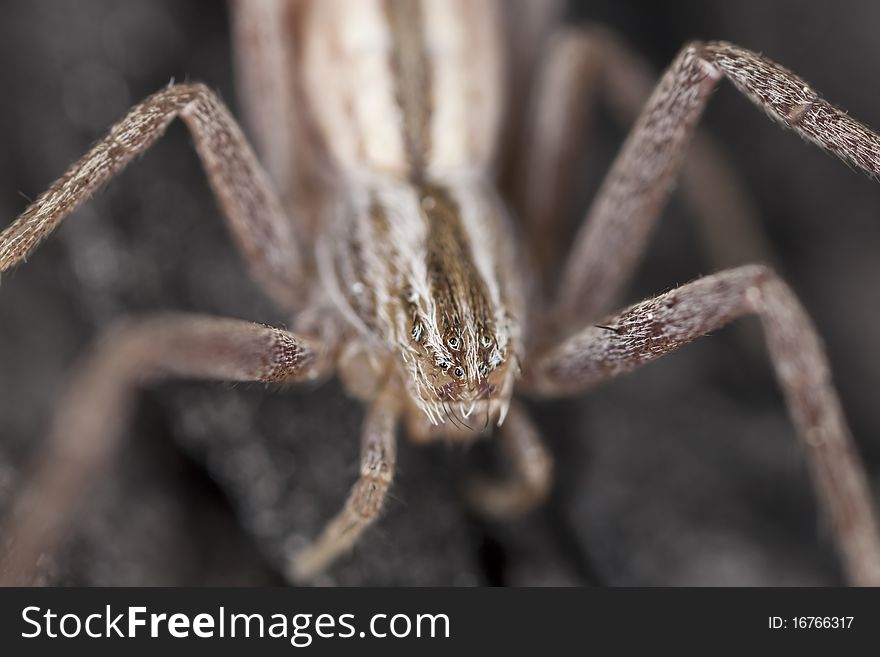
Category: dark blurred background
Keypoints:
(687, 472)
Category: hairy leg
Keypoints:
(87, 428)
(660, 325)
(255, 215)
(587, 65)
(532, 474)
(622, 215)
(367, 497)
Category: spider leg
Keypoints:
(253, 211)
(271, 96)
(532, 474)
(660, 325)
(367, 497)
(621, 217)
(87, 427)
(588, 64)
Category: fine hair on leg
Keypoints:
(90, 420)
(253, 211)
(622, 215)
(367, 497)
(653, 328)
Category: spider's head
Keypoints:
(429, 271)
(462, 373)
(457, 331)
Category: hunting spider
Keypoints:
(379, 223)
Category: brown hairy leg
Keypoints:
(532, 471)
(255, 215)
(87, 427)
(367, 497)
(660, 325)
(587, 65)
(621, 217)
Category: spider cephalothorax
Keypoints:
(422, 271)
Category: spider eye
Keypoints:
(458, 371)
(485, 341)
(444, 365)
(484, 370)
(454, 343)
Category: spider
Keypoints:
(392, 247)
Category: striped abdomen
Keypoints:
(406, 88)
